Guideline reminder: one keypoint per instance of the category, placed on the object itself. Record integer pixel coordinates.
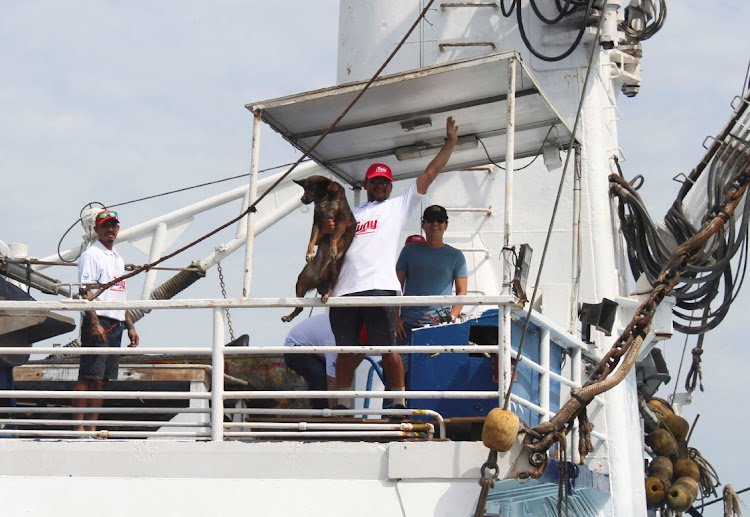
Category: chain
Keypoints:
(487, 482)
(224, 294)
(640, 325)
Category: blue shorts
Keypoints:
(100, 367)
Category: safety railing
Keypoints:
(199, 413)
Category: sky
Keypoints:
(106, 101)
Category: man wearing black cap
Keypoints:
(430, 268)
(369, 265)
(100, 264)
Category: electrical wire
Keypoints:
(541, 149)
(569, 51)
(83, 244)
(712, 280)
(648, 30)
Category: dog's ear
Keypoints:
(334, 188)
(301, 183)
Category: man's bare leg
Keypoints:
(394, 372)
(97, 385)
(344, 375)
(81, 385)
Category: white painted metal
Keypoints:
(473, 91)
(252, 196)
(405, 478)
(544, 347)
(157, 247)
(217, 377)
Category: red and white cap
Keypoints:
(379, 169)
(411, 239)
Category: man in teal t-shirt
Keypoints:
(430, 268)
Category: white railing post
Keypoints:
(504, 323)
(217, 377)
(157, 247)
(544, 362)
(505, 369)
(252, 196)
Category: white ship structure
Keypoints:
(561, 254)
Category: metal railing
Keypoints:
(205, 413)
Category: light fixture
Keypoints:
(551, 157)
(416, 123)
(521, 275)
(431, 147)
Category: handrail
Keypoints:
(210, 419)
(14, 306)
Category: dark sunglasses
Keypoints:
(380, 181)
(104, 215)
(433, 219)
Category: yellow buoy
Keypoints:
(686, 468)
(661, 467)
(660, 406)
(678, 425)
(500, 430)
(682, 494)
(662, 442)
(656, 490)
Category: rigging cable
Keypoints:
(251, 207)
(80, 218)
(198, 186)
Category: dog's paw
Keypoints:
(286, 319)
(325, 297)
(309, 257)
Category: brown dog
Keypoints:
(322, 268)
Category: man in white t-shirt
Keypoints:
(100, 264)
(369, 267)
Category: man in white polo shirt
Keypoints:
(100, 264)
(369, 267)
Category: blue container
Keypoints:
(476, 372)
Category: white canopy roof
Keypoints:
(400, 120)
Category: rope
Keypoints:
(170, 289)
(731, 502)
(307, 153)
(594, 49)
(629, 343)
(585, 446)
(709, 478)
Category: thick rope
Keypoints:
(629, 343)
